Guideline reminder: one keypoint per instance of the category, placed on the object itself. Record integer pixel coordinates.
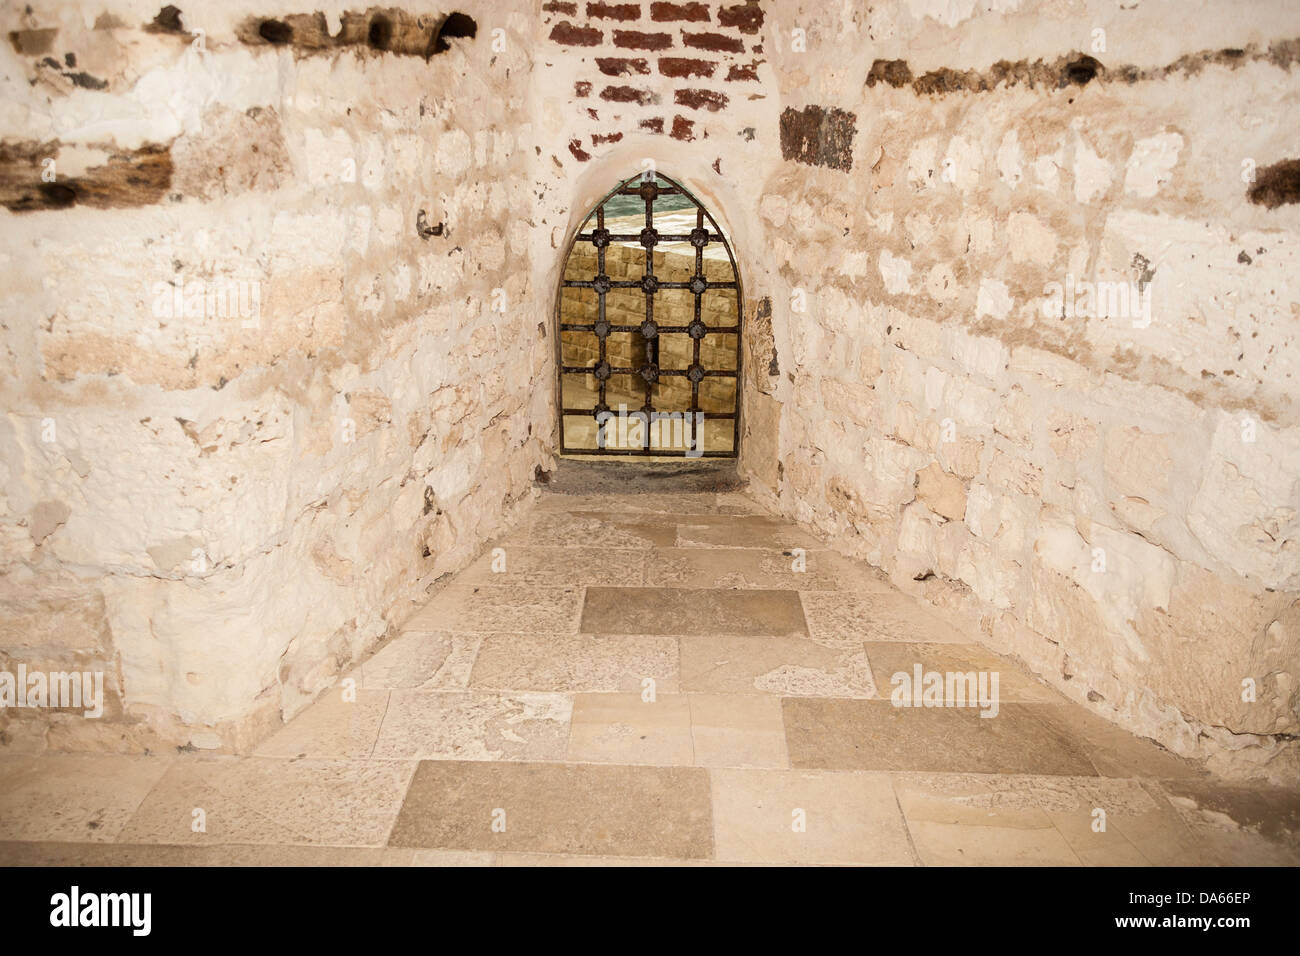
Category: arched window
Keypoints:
(649, 319)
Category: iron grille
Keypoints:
(650, 188)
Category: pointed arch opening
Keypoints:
(649, 318)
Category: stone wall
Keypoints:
(272, 343)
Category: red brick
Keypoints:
(717, 165)
(655, 125)
(614, 11)
(740, 71)
(636, 40)
(701, 99)
(581, 88)
(556, 6)
(683, 67)
(600, 139)
(575, 147)
(621, 66)
(669, 12)
(567, 34)
(683, 129)
(713, 42)
(627, 94)
(746, 17)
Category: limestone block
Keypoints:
(942, 493)
(1246, 512)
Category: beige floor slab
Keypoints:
(837, 617)
(332, 726)
(73, 797)
(627, 729)
(1114, 751)
(1020, 820)
(746, 568)
(791, 816)
(474, 725)
(678, 504)
(876, 735)
(418, 659)
(692, 611)
(1238, 825)
(465, 606)
(272, 801)
(576, 663)
(597, 529)
(742, 531)
(572, 562)
(889, 658)
(741, 732)
(585, 809)
(784, 666)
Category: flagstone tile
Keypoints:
(742, 531)
(474, 725)
(271, 801)
(341, 723)
(806, 817)
(626, 728)
(420, 659)
(902, 657)
(784, 666)
(692, 611)
(570, 562)
(465, 606)
(585, 809)
(576, 662)
(74, 797)
(747, 568)
(732, 731)
(875, 735)
(837, 617)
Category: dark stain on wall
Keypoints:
(1077, 69)
(168, 20)
(894, 72)
(816, 136)
(1276, 185)
(381, 29)
(139, 177)
(33, 42)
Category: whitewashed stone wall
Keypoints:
(1112, 494)
(223, 510)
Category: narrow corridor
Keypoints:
(655, 678)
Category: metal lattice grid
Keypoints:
(653, 367)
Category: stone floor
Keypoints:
(650, 680)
